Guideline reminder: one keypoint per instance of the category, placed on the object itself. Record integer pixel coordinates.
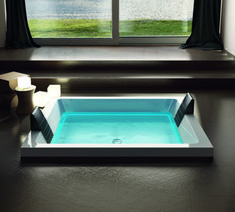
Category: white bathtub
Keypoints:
(195, 142)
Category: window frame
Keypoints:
(115, 40)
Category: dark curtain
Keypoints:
(18, 35)
(205, 25)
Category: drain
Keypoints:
(117, 141)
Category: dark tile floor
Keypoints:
(126, 185)
(129, 185)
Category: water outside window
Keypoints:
(93, 18)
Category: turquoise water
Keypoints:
(116, 128)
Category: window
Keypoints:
(70, 18)
(109, 21)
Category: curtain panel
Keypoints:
(205, 25)
(18, 35)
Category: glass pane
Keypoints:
(155, 17)
(70, 18)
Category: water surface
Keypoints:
(101, 9)
(116, 128)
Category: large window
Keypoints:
(109, 21)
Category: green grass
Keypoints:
(83, 28)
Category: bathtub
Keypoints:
(192, 141)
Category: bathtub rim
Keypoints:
(203, 148)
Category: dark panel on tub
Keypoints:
(39, 123)
(186, 107)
